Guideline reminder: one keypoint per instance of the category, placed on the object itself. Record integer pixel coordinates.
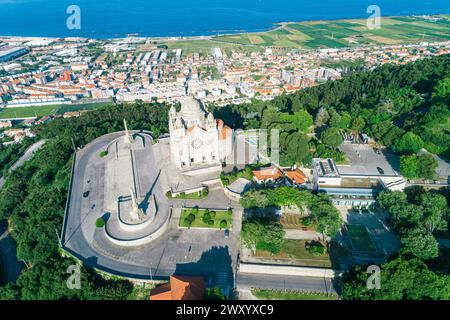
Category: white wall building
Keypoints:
(196, 137)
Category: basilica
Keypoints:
(196, 138)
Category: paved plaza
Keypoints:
(364, 160)
(184, 251)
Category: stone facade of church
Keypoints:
(196, 137)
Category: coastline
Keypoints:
(274, 27)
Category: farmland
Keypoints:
(330, 34)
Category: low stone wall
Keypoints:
(288, 270)
(140, 241)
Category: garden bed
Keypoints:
(216, 216)
(291, 295)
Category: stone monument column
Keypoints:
(127, 133)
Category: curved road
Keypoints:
(26, 156)
(73, 238)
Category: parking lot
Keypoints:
(365, 161)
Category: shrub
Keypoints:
(223, 224)
(187, 222)
(306, 221)
(212, 214)
(100, 222)
(194, 210)
(206, 217)
(191, 217)
(210, 222)
(104, 153)
(316, 249)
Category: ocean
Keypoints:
(114, 18)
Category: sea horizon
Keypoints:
(23, 18)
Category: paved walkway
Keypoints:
(302, 235)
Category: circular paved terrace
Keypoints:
(205, 252)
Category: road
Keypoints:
(202, 252)
(26, 156)
(248, 281)
(205, 252)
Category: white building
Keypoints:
(196, 137)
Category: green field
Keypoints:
(329, 34)
(199, 223)
(41, 111)
(360, 238)
(291, 295)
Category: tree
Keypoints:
(426, 166)
(223, 224)
(358, 124)
(255, 199)
(409, 143)
(331, 137)
(442, 91)
(409, 167)
(435, 211)
(215, 293)
(302, 120)
(327, 217)
(264, 234)
(420, 243)
(401, 279)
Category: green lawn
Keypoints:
(196, 195)
(291, 295)
(295, 251)
(360, 238)
(199, 223)
(28, 112)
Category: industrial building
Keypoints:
(11, 53)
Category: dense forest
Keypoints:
(403, 107)
(34, 196)
(9, 154)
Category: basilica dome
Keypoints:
(191, 109)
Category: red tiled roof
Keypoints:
(180, 288)
(267, 173)
(296, 176)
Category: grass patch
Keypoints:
(141, 291)
(28, 112)
(229, 178)
(291, 295)
(297, 251)
(195, 196)
(215, 221)
(360, 238)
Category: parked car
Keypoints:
(226, 233)
(86, 194)
(380, 170)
